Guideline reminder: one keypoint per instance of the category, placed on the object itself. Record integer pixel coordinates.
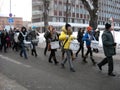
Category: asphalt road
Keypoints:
(38, 74)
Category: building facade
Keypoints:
(77, 16)
(4, 22)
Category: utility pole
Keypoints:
(46, 13)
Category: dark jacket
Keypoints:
(21, 37)
(47, 35)
(108, 43)
(32, 35)
(80, 36)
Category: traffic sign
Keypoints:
(10, 20)
(10, 15)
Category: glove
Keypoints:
(67, 36)
(114, 44)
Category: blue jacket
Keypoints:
(87, 37)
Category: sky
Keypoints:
(19, 8)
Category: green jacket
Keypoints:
(108, 41)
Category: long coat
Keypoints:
(108, 43)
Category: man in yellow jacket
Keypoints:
(66, 37)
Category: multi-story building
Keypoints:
(78, 15)
(17, 22)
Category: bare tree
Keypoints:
(46, 13)
(69, 4)
(92, 7)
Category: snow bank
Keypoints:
(116, 33)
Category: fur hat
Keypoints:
(107, 25)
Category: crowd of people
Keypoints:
(65, 38)
(21, 39)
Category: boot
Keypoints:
(93, 61)
(50, 60)
(84, 60)
(55, 61)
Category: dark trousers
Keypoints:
(46, 48)
(89, 51)
(3, 45)
(23, 50)
(108, 60)
(52, 55)
(82, 50)
(15, 46)
(33, 50)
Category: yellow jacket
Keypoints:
(63, 37)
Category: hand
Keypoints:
(114, 44)
(67, 36)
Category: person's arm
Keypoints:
(105, 41)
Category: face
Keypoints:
(111, 28)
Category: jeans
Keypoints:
(23, 50)
(69, 58)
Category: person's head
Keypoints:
(89, 29)
(68, 27)
(108, 26)
(23, 29)
(50, 27)
(53, 30)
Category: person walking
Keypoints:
(34, 41)
(66, 38)
(109, 46)
(88, 37)
(4, 36)
(46, 35)
(22, 36)
(52, 38)
(79, 38)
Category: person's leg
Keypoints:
(78, 51)
(110, 65)
(5, 47)
(46, 47)
(54, 57)
(84, 59)
(50, 57)
(91, 56)
(24, 51)
(102, 63)
(82, 51)
(70, 60)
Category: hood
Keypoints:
(64, 29)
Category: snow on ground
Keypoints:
(116, 33)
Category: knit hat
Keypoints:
(89, 28)
(107, 25)
(67, 25)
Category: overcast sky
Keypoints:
(19, 8)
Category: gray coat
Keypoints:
(108, 43)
